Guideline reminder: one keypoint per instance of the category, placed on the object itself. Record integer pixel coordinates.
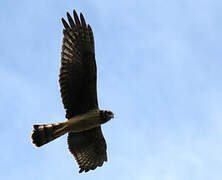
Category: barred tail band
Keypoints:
(45, 133)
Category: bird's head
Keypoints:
(106, 116)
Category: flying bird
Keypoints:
(78, 87)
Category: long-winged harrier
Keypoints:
(79, 95)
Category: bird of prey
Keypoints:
(78, 87)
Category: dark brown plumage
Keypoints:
(79, 92)
(78, 89)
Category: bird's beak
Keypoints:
(112, 116)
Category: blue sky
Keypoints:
(159, 70)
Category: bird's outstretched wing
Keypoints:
(78, 67)
(88, 148)
(78, 90)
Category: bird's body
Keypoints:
(45, 133)
(79, 95)
(84, 122)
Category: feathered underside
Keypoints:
(89, 149)
(78, 89)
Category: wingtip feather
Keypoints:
(71, 22)
(76, 17)
(65, 24)
(82, 20)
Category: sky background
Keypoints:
(159, 70)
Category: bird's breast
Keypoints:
(84, 122)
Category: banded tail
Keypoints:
(45, 133)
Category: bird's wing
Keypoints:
(78, 90)
(88, 148)
(78, 67)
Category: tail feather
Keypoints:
(45, 133)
